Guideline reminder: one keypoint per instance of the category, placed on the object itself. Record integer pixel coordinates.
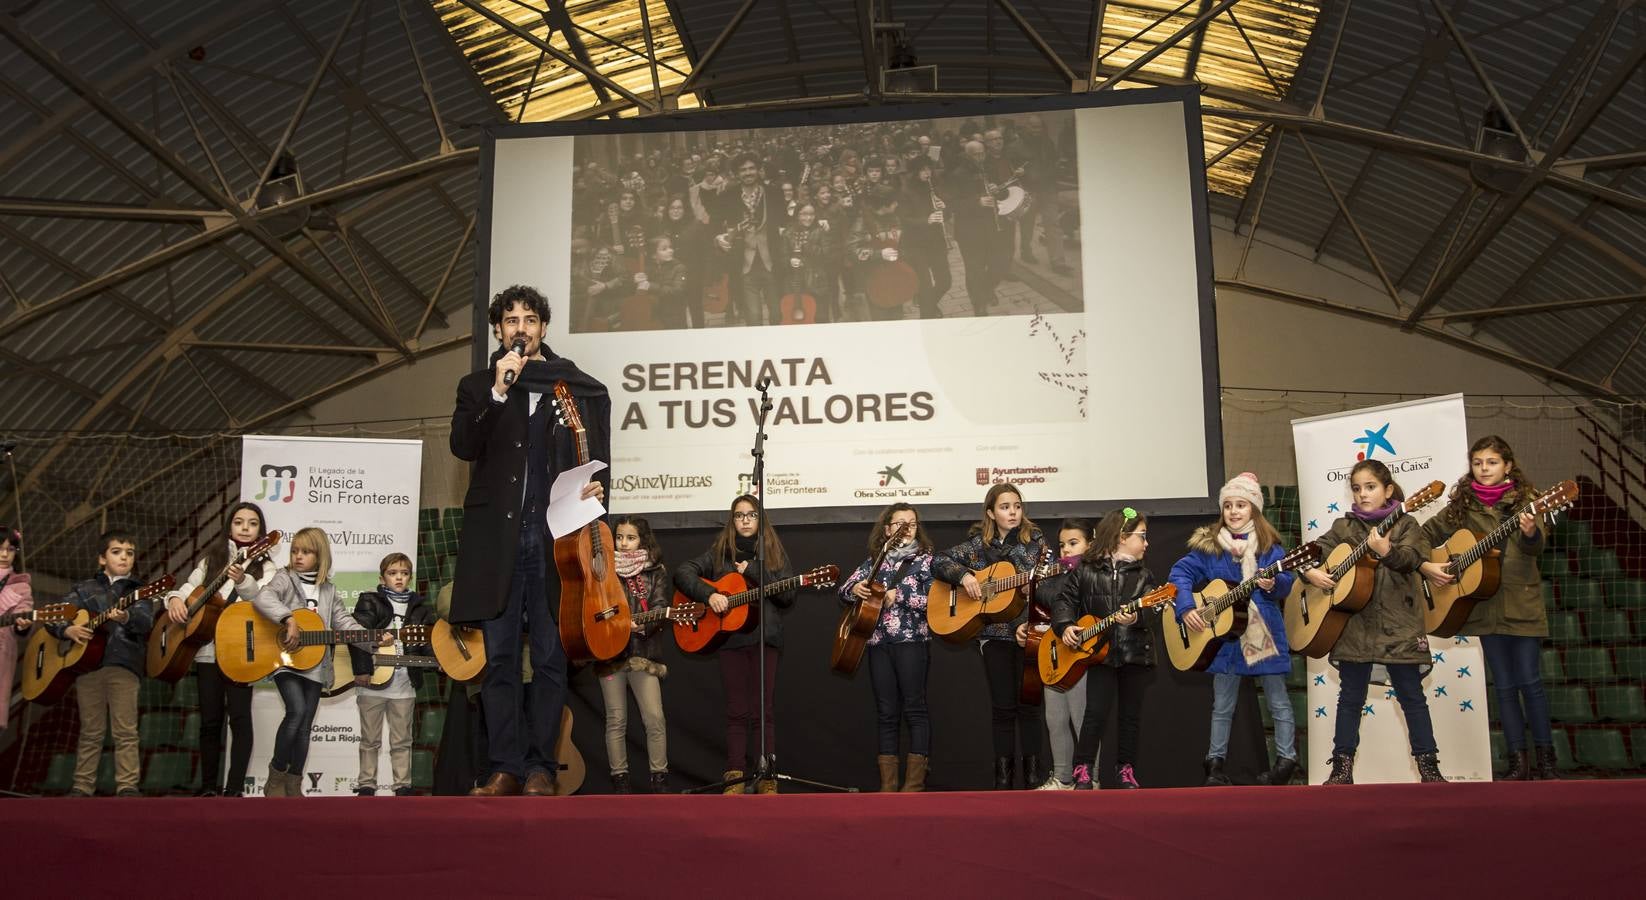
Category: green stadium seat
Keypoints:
(1500, 751)
(1607, 625)
(429, 728)
(1628, 592)
(1562, 534)
(1602, 748)
(1589, 663)
(159, 729)
(1570, 703)
(1599, 563)
(187, 694)
(1300, 710)
(1631, 662)
(1299, 677)
(1551, 597)
(1554, 563)
(1549, 666)
(191, 731)
(452, 519)
(1563, 751)
(154, 694)
(1563, 628)
(167, 772)
(59, 775)
(428, 519)
(433, 688)
(422, 769)
(1581, 593)
(1637, 747)
(105, 773)
(1579, 536)
(1620, 703)
(1285, 495)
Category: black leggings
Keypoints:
(1103, 685)
(217, 694)
(1003, 668)
(291, 740)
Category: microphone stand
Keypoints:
(766, 768)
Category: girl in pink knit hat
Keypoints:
(1234, 548)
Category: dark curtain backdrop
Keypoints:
(826, 722)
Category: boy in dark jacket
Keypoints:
(108, 696)
(392, 605)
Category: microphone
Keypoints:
(519, 348)
(763, 384)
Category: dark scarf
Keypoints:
(1377, 515)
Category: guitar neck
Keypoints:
(345, 636)
(753, 594)
(1365, 545)
(123, 603)
(1244, 590)
(1107, 622)
(404, 662)
(1497, 536)
(651, 615)
(995, 586)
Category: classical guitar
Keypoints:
(1030, 689)
(594, 611)
(861, 616)
(1475, 560)
(572, 768)
(172, 646)
(1316, 617)
(713, 628)
(51, 663)
(957, 618)
(1224, 610)
(248, 645)
(461, 649)
(1060, 666)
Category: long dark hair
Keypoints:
(877, 537)
(1111, 530)
(10, 535)
(1462, 490)
(725, 543)
(648, 540)
(1381, 473)
(217, 554)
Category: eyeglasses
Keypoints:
(746, 516)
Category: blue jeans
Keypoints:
(291, 739)
(1513, 661)
(1226, 690)
(898, 675)
(1351, 701)
(519, 748)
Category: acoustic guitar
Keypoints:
(860, 618)
(1316, 617)
(1224, 610)
(594, 611)
(957, 618)
(461, 649)
(572, 768)
(1030, 689)
(1475, 560)
(709, 632)
(1060, 666)
(172, 646)
(248, 645)
(51, 663)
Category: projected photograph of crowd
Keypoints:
(814, 224)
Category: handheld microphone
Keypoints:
(519, 348)
(763, 384)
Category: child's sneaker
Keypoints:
(1128, 778)
(1082, 778)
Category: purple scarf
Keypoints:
(1376, 515)
(1488, 496)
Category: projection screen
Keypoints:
(942, 297)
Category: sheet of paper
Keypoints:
(567, 510)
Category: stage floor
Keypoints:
(1556, 839)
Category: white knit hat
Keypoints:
(1245, 487)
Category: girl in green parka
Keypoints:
(1389, 629)
(1512, 623)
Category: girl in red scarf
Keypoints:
(646, 582)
